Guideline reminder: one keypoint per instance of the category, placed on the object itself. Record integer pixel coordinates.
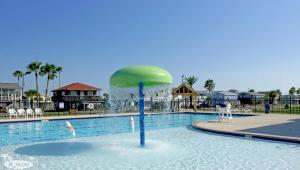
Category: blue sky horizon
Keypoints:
(239, 44)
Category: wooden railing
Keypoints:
(8, 98)
(76, 98)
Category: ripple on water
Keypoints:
(168, 149)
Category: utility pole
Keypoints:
(182, 77)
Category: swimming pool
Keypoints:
(109, 143)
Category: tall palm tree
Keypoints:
(191, 80)
(34, 67)
(19, 74)
(59, 70)
(292, 91)
(50, 70)
(210, 85)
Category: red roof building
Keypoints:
(76, 86)
(75, 96)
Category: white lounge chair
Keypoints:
(21, 112)
(235, 110)
(220, 111)
(38, 112)
(29, 112)
(12, 113)
(228, 112)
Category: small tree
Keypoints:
(252, 90)
(31, 94)
(292, 91)
(210, 85)
(298, 91)
(273, 94)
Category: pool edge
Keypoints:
(247, 135)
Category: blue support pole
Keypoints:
(141, 104)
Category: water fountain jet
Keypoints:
(141, 77)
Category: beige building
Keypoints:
(10, 96)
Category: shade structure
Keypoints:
(148, 75)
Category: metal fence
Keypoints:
(255, 104)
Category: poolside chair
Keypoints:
(228, 112)
(21, 112)
(220, 111)
(29, 112)
(12, 113)
(38, 112)
(235, 110)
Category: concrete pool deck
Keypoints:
(280, 127)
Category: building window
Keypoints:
(85, 93)
(67, 93)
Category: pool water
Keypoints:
(109, 143)
(29, 132)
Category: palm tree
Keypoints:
(19, 74)
(298, 91)
(251, 90)
(191, 80)
(292, 91)
(59, 70)
(50, 70)
(34, 67)
(273, 94)
(31, 94)
(210, 85)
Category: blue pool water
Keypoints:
(21, 133)
(109, 143)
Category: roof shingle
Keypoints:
(76, 86)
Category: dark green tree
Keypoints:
(191, 80)
(34, 68)
(50, 71)
(210, 85)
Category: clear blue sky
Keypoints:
(240, 44)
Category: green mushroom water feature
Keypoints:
(132, 84)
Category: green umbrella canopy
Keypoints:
(132, 76)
